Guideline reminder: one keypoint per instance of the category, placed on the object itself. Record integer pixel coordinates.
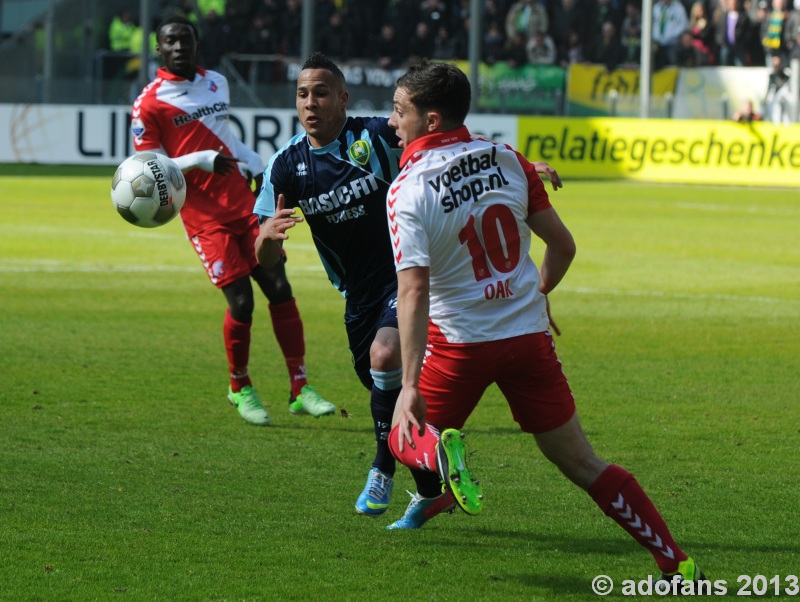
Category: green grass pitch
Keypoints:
(126, 475)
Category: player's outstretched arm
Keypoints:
(413, 305)
(204, 160)
(207, 160)
(272, 233)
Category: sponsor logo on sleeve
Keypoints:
(137, 127)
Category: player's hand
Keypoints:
(276, 226)
(412, 416)
(225, 164)
(553, 325)
(543, 168)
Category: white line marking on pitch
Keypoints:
(50, 266)
(38, 266)
(755, 210)
(672, 295)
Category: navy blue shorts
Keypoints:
(362, 325)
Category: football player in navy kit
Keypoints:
(338, 173)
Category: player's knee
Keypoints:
(276, 287)
(384, 357)
(280, 292)
(241, 307)
(273, 283)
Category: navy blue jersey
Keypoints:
(341, 190)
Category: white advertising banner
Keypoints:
(100, 135)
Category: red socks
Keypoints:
(621, 497)
(423, 456)
(237, 345)
(288, 328)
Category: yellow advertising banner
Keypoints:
(665, 150)
(589, 88)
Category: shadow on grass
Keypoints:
(615, 553)
(598, 545)
(502, 538)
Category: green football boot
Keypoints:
(451, 463)
(310, 402)
(249, 406)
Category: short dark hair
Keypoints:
(177, 20)
(319, 61)
(440, 86)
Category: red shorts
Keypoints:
(525, 368)
(228, 250)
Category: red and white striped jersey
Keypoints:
(459, 207)
(182, 117)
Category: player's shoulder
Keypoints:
(295, 146)
(371, 122)
(214, 82)
(294, 152)
(375, 124)
(215, 75)
(148, 98)
(150, 89)
(480, 143)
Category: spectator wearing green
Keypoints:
(136, 42)
(189, 10)
(206, 6)
(133, 64)
(121, 31)
(772, 39)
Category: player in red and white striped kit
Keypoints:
(472, 306)
(184, 114)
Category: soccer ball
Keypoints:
(148, 189)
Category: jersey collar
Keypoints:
(435, 140)
(164, 74)
(333, 144)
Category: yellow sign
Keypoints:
(590, 86)
(665, 150)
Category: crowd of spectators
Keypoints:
(687, 33)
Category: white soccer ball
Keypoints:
(148, 189)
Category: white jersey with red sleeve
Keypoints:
(181, 117)
(459, 207)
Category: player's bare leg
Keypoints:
(618, 495)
